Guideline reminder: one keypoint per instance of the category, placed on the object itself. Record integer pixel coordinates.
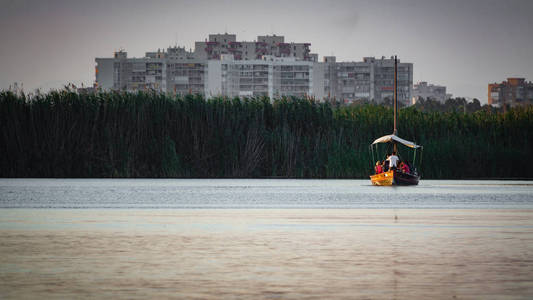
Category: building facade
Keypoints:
(270, 76)
(186, 77)
(272, 45)
(429, 91)
(513, 92)
(267, 67)
(131, 74)
(371, 79)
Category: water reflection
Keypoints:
(264, 254)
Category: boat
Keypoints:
(395, 176)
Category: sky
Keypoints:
(461, 44)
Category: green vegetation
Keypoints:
(452, 105)
(65, 134)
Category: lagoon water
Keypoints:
(259, 193)
(265, 239)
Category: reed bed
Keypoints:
(110, 134)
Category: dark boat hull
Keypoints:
(405, 179)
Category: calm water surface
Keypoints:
(265, 239)
(259, 193)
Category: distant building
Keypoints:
(371, 79)
(514, 91)
(130, 74)
(173, 71)
(270, 76)
(269, 67)
(430, 91)
(273, 45)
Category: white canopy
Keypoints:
(392, 137)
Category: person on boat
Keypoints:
(393, 160)
(404, 167)
(385, 166)
(378, 167)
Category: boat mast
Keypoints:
(395, 100)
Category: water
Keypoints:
(259, 193)
(265, 239)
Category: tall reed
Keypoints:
(65, 134)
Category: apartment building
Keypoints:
(186, 77)
(269, 76)
(266, 67)
(513, 92)
(131, 74)
(175, 70)
(273, 45)
(429, 91)
(370, 79)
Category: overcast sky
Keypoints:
(461, 44)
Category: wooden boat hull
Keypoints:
(385, 178)
(394, 178)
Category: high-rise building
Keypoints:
(513, 92)
(130, 74)
(371, 79)
(274, 45)
(175, 71)
(268, 67)
(270, 77)
(429, 91)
